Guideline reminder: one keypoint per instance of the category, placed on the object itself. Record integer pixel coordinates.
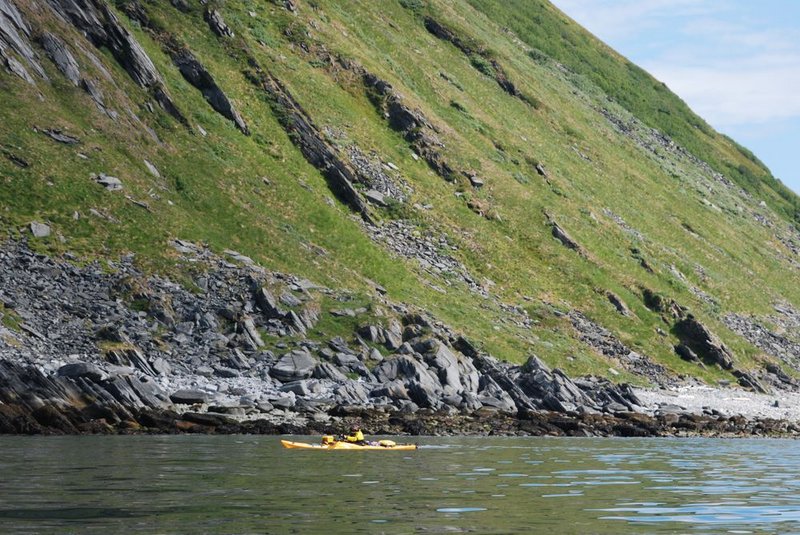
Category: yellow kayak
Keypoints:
(383, 445)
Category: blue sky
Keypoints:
(735, 62)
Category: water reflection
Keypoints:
(484, 485)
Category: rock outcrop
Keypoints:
(60, 54)
(478, 55)
(703, 342)
(192, 70)
(100, 25)
(196, 74)
(121, 347)
(15, 35)
(311, 142)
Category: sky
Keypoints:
(735, 62)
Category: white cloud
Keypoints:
(620, 19)
(732, 95)
(731, 67)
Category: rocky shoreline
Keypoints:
(107, 349)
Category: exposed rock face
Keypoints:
(410, 122)
(478, 55)
(103, 357)
(376, 175)
(197, 75)
(217, 24)
(779, 344)
(618, 303)
(59, 53)
(192, 70)
(15, 36)
(566, 240)
(293, 366)
(606, 343)
(81, 398)
(311, 142)
(99, 24)
(428, 249)
(703, 342)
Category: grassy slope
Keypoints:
(216, 193)
(545, 28)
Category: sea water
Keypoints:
(250, 484)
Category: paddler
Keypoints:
(355, 436)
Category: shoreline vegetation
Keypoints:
(117, 352)
(423, 216)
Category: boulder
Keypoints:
(138, 392)
(553, 390)
(346, 360)
(111, 183)
(238, 361)
(398, 367)
(425, 392)
(290, 300)
(285, 400)
(296, 323)
(392, 339)
(351, 393)
(251, 333)
(371, 333)
(305, 387)
(222, 371)
(131, 356)
(686, 353)
(748, 380)
(470, 402)
(375, 355)
(39, 230)
(468, 374)
(217, 24)
(394, 390)
(190, 397)
(268, 304)
(446, 365)
(502, 375)
(297, 364)
(375, 197)
(83, 369)
(326, 370)
(161, 366)
(423, 386)
(492, 395)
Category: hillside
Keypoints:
(233, 183)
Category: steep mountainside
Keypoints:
(419, 185)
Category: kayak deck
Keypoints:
(344, 446)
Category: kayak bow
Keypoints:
(338, 445)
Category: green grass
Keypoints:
(554, 36)
(212, 189)
(9, 318)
